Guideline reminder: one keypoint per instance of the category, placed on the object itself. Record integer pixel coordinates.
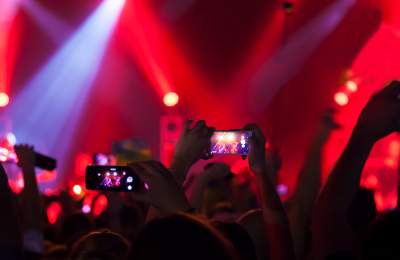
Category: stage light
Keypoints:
(57, 94)
(231, 137)
(351, 86)
(100, 205)
(116, 4)
(171, 99)
(53, 212)
(4, 99)
(341, 99)
(286, 63)
(77, 189)
(86, 209)
(12, 140)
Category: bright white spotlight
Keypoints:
(57, 94)
(4, 99)
(171, 99)
(115, 5)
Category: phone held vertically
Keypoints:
(111, 178)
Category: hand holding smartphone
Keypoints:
(111, 178)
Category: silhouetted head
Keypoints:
(56, 252)
(239, 238)
(382, 241)
(181, 237)
(253, 222)
(75, 226)
(132, 218)
(104, 245)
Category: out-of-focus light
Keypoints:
(100, 205)
(86, 209)
(53, 212)
(341, 99)
(77, 189)
(11, 138)
(282, 189)
(4, 99)
(231, 137)
(371, 182)
(171, 99)
(116, 4)
(389, 162)
(394, 148)
(351, 86)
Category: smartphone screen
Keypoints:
(111, 178)
(234, 142)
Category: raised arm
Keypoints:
(308, 185)
(31, 207)
(192, 146)
(277, 226)
(159, 188)
(10, 233)
(379, 118)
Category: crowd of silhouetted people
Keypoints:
(215, 214)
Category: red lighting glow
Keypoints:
(53, 212)
(100, 205)
(341, 99)
(4, 99)
(171, 99)
(351, 86)
(77, 189)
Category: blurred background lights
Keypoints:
(171, 99)
(77, 189)
(351, 86)
(4, 99)
(341, 99)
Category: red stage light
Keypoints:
(77, 189)
(171, 99)
(53, 212)
(341, 99)
(100, 205)
(4, 99)
(351, 86)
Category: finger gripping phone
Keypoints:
(111, 178)
(234, 142)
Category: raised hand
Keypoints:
(26, 155)
(381, 115)
(331, 230)
(192, 146)
(256, 154)
(279, 239)
(160, 188)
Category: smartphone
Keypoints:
(234, 142)
(45, 162)
(111, 178)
